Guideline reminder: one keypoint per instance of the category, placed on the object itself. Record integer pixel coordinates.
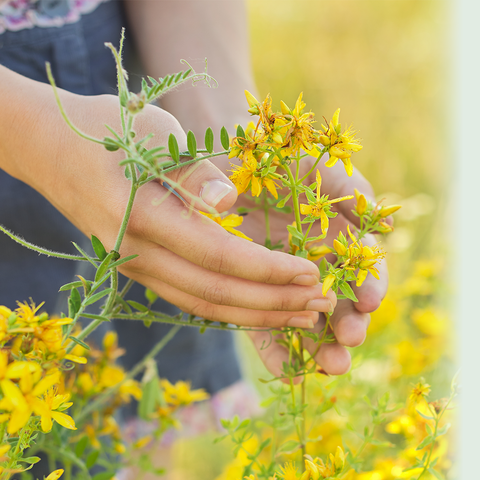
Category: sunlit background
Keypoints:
(386, 64)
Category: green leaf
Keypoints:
(79, 342)
(81, 446)
(224, 138)
(289, 447)
(74, 303)
(209, 140)
(435, 473)
(123, 303)
(103, 476)
(426, 417)
(173, 148)
(443, 430)
(191, 144)
(31, 460)
(284, 200)
(92, 458)
(69, 286)
(150, 398)
(219, 439)
(150, 295)
(240, 131)
(122, 261)
(426, 441)
(103, 267)
(295, 233)
(347, 291)
(97, 296)
(98, 248)
(138, 306)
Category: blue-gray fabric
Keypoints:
(81, 64)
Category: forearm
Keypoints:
(167, 31)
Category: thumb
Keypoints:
(204, 186)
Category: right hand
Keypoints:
(187, 259)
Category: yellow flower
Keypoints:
(340, 145)
(321, 207)
(419, 391)
(229, 223)
(249, 175)
(327, 283)
(288, 471)
(22, 400)
(296, 129)
(318, 251)
(180, 393)
(48, 410)
(362, 257)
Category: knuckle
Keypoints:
(217, 294)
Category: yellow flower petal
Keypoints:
(46, 422)
(362, 275)
(64, 420)
(75, 358)
(45, 383)
(324, 221)
(331, 161)
(256, 186)
(55, 475)
(14, 395)
(18, 420)
(348, 166)
(339, 247)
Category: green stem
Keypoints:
(296, 206)
(62, 111)
(41, 250)
(105, 396)
(128, 210)
(313, 168)
(304, 415)
(266, 209)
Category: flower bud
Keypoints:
(324, 140)
(277, 138)
(386, 211)
(135, 103)
(254, 110)
(339, 460)
(312, 469)
(318, 252)
(361, 206)
(327, 283)
(339, 247)
(252, 101)
(284, 107)
(385, 227)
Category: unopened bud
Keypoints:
(277, 138)
(254, 110)
(386, 211)
(385, 227)
(135, 103)
(339, 247)
(335, 117)
(284, 107)
(312, 469)
(361, 204)
(252, 101)
(318, 252)
(324, 140)
(339, 460)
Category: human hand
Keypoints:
(187, 259)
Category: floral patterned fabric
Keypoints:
(21, 14)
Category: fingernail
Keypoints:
(305, 280)
(300, 322)
(214, 191)
(319, 305)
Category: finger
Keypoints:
(221, 289)
(222, 313)
(334, 358)
(371, 293)
(200, 184)
(203, 185)
(348, 324)
(273, 355)
(163, 219)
